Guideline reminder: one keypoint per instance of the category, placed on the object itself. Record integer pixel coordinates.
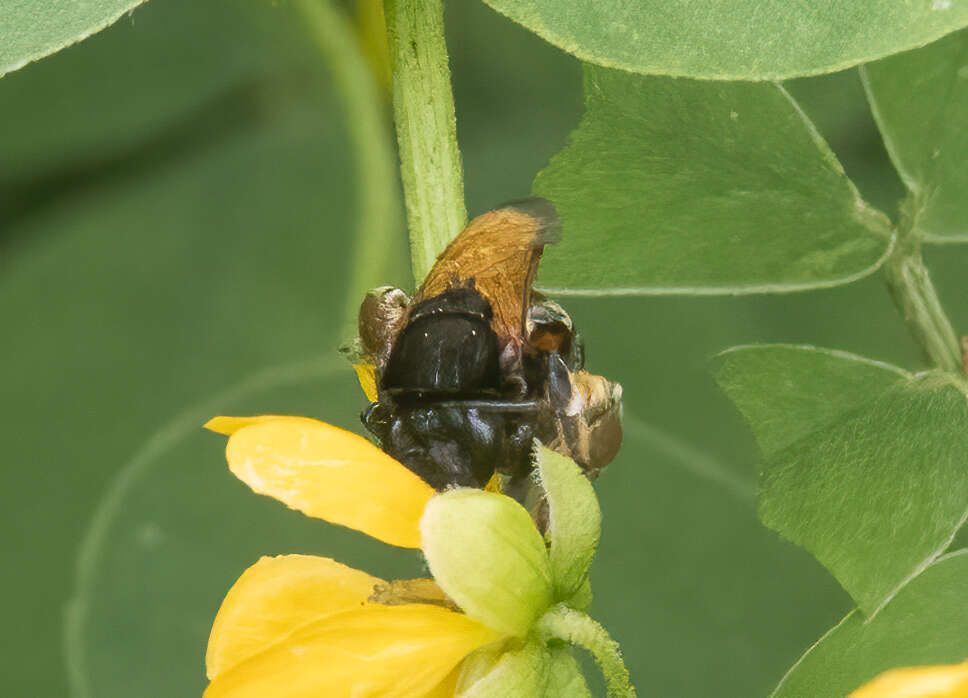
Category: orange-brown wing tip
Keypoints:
(547, 222)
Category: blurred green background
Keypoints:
(177, 214)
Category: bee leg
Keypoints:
(514, 384)
(558, 382)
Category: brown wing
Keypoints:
(499, 251)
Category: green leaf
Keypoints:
(926, 623)
(870, 477)
(789, 392)
(920, 101)
(574, 520)
(837, 105)
(487, 555)
(681, 186)
(32, 29)
(767, 40)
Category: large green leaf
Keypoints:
(926, 623)
(788, 393)
(765, 40)
(32, 29)
(683, 186)
(920, 101)
(864, 466)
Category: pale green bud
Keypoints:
(487, 555)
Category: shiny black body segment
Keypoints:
(453, 443)
(446, 349)
(441, 410)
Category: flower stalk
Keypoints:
(917, 299)
(423, 110)
(576, 628)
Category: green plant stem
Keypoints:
(916, 298)
(569, 625)
(423, 109)
(378, 219)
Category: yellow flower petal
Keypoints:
(274, 597)
(332, 474)
(367, 376)
(918, 682)
(386, 651)
(230, 425)
(448, 687)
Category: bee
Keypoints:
(477, 365)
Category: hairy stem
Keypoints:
(916, 298)
(423, 109)
(564, 623)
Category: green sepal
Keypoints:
(511, 669)
(581, 599)
(574, 520)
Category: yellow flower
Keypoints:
(949, 681)
(299, 625)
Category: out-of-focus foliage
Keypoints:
(178, 212)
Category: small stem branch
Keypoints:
(423, 109)
(916, 298)
(564, 623)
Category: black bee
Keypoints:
(476, 365)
